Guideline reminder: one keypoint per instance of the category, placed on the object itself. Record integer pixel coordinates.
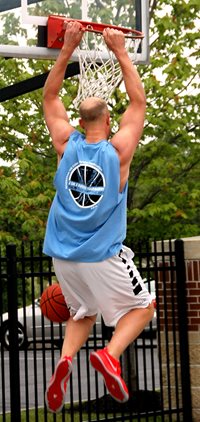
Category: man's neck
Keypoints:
(95, 135)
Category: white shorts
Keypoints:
(112, 287)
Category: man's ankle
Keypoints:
(112, 353)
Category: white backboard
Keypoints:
(134, 14)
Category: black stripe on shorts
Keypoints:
(137, 288)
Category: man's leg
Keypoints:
(106, 361)
(128, 329)
(76, 334)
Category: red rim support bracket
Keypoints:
(55, 30)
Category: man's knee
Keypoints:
(150, 309)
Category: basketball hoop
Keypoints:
(100, 73)
(99, 78)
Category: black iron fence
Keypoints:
(155, 366)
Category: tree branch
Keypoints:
(152, 8)
(153, 194)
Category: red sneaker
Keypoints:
(55, 393)
(110, 368)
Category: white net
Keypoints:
(100, 73)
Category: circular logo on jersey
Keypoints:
(86, 184)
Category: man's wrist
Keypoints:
(66, 52)
(121, 54)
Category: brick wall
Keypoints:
(192, 262)
(167, 298)
(193, 294)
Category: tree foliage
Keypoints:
(164, 184)
(164, 193)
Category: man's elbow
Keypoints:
(141, 99)
(48, 93)
(140, 103)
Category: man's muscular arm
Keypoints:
(132, 122)
(54, 111)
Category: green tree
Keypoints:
(164, 193)
(164, 184)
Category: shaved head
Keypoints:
(92, 108)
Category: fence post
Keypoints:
(183, 330)
(13, 334)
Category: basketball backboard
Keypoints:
(133, 14)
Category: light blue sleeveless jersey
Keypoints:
(87, 219)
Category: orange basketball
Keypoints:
(53, 305)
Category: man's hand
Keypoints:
(115, 40)
(73, 35)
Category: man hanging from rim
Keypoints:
(87, 221)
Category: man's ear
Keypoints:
(81, 123)
(108, 119)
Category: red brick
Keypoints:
(192, 313)
(195, 320)
(171, 327)
(192, 327)
(192, 285)
(195, 269)
(171, 313)
(189, 270)
(160, 300)
(193, 299)
(194, 292)
(170, 294)
(194, 306)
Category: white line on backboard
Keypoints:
(28, 19)
(42, 20)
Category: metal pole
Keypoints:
(33, 83)
(13, 334)
(183, 330)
